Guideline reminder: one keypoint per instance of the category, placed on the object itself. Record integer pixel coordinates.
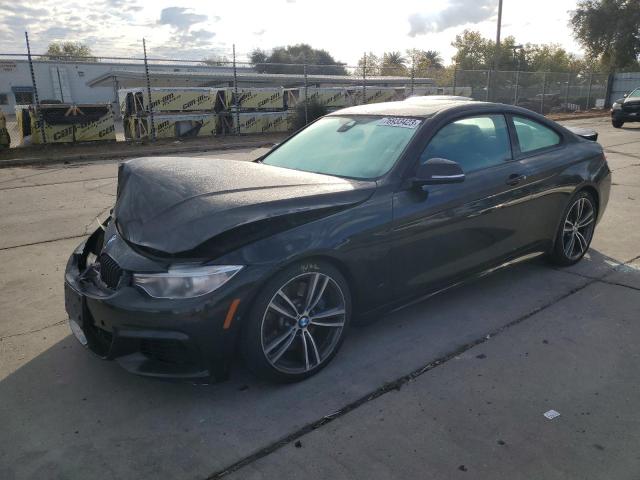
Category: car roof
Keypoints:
(407, 109)
(422, 99)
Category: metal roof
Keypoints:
(130, 78)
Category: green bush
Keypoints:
(314, 110)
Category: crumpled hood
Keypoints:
(174, 204)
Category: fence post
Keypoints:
(306, 95)
(413, 74)
(486, 97)
(118, 113)
(589, 91)
(235, 91)
(515, 95)
(544, 91)
(455, 78)
(566, 100)
(38, 112)
(146, 72)
(364, 78)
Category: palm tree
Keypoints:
(393, 63)
(433, 58)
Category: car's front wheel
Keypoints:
(575, 231)
(297, 323)
(617, 123)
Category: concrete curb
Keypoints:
(562, 118)
(137, 152)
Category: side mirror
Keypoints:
(625, 95)
(437, 171)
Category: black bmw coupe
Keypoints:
(364, 210)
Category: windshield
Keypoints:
(347, 146)
(634, 94)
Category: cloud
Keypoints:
(127, 5)
(180, 18)
(458, 12)
(64, 33)
(26, 10)
(259, 32)
(199, 36)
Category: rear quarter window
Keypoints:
(533, 135)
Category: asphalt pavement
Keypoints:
(453, 387)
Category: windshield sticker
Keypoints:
(399, 122)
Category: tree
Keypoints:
(69, 51)
(610, 31)
(425, 63)
(258, 57)
(217, 61)
(475, 52)
(432, 58)
(548, 58)
(373, 64)
(290, 59)
(393, 64)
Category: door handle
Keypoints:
(515, 179)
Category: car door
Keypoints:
(441, 232)
(541, 156)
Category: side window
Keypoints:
(473, 142)
(533, 135)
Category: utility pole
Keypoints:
(496, 61)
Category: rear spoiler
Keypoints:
(584, 133)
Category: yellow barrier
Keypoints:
(5, 139)
(330, 97)
(136, 100)
(260, 99)
(260, 122)
(174, 125)
(67, 123)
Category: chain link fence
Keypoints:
(153, 98)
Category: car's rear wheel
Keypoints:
(297, 323)
(576, 230)
(617, 123)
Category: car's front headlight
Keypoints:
(185, 281)
(616, 106)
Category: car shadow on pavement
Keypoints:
(67, 413)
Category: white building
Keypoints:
(68, 82)
(98, 82)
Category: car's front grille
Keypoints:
(110, 271)
(166, 350)
(631, 107)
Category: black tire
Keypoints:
(265, 325)
(617, 123)
(564, 252)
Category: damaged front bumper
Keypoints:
(191, 338)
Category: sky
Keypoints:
(195, 30)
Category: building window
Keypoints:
(4, 99)
(80, 74)
(24, 95)
(24, 98)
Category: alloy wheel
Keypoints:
(302, 324)
(578, 228)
